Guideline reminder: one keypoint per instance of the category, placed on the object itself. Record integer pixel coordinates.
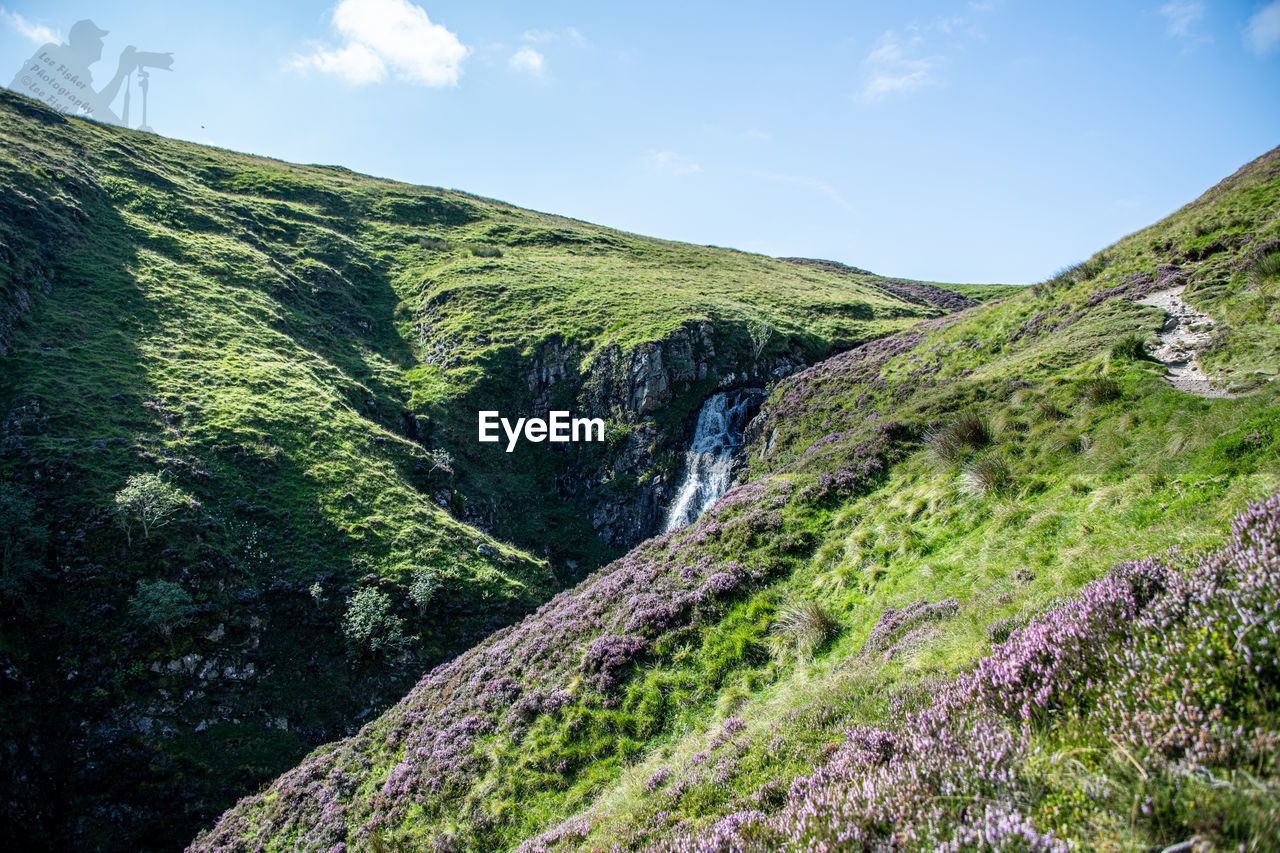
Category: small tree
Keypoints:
(440, 460)
(423, 589)
(163, 605)
(760, 333)
(370, 626)
(150, 501)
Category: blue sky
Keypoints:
(952, 141)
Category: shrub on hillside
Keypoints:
(423, 589)
(370, 626)
(760, 334)
(486, 251)
(149, 501)
(162, 605)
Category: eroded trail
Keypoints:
(1186, 331)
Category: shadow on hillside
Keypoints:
(72, 392)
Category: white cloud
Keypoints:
(388, 38)
(821, 187)
(1180, 16)
(893, 68)
(526, 60)
(1262, 34)
(38, 33)
(356, 63)
(567, 34)
(671, 163)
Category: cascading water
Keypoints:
(709, 460)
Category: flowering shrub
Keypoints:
(888, 635)
(606, 657)
(723, 583)
(658, 779)
(1170, 655)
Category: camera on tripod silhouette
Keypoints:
(150, 59)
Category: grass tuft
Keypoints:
(1265, 268)
(1102, 391)
(951, 443)
(801, 630)
(988, 476)
(1131, 347)
(1047, 410)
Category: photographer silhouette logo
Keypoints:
(58, 75)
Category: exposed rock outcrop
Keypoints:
(644, 389)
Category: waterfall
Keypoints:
(709, 460)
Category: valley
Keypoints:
(847, 560)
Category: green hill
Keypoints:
(242, 501)
(906, 627)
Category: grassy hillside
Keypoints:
(238, 399)
(904, 628)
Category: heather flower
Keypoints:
(607, 656)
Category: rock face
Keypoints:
(654, 391)
(657, 368)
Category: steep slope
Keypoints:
(911, 504)
(243, 507)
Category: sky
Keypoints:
(993, 141)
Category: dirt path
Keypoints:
(1185, 332)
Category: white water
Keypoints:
(709, 460)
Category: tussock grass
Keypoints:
(989, 476)
(1048, 410)
(953, 442)
(1102, 391)
(801, 629)
(1265, 268)
(1131, 347)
